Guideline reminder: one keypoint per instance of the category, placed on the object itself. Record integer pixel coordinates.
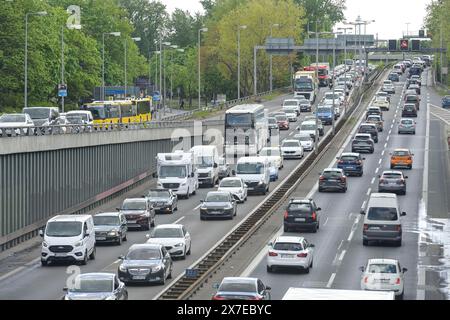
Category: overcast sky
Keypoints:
(391, 16)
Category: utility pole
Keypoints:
(271, 62)
(62, 65)
(239, 59)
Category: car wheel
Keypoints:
(410, 167)
(85, 259)
(148, 225)
(170, 274)
(306, 270)
(94, 252)
(187, 194)
(320, 189)
(392, 166)
(125, 237)
(365, 242)
(400, 297)
(311, 265)
(163, 280)
(398, 243)
(44, 263)
(189, 251)
(269, 269)
(125, 295)
(202, 218)
(314, 230)
(286, 229)
(119, 241)
(195, 192)
(153, 222)
(183, 257)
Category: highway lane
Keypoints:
(339, 249)
(50, 280)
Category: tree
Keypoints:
(183, 28)
(328, 12)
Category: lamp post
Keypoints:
(40, 14)
(407, 28)
(276, 25)
(239, 60)
(199, 64)
(163, 84)
(345, 63)
(171, 72)
(115, 34)
(126, 62)
(155, 53)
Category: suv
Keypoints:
(363, 143)
(392, 181)
(163, 200)
(351, 163)
(139, 213)
(375, 119)
(369, 128)
(302, 214)
(382, 219)
(334, 179)
(409, 110)
(394, 77)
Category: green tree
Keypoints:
(328, 12)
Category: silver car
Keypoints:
(407, 125)
(96, 286)
(392, 181)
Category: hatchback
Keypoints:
(302, 214)
(333, 179)
(376, 120)
(240, 288)
(351, 163)
(402, 158)
(409, 110)
(407, 126)
(392, 181)
(413, 99)
(290, 252)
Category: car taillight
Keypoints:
(397, 281)
(314, 216)
(255, 298)
(398, 228)
(272, 254)
(366, 279)
(409, 158)
(381, 180)
(341, 161)
(366, 227)
(217, 297)
(322, 178)
(302, 255)
(401, 181)
(286, 214)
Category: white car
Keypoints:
(383, 275)
(381, 102)
(328, 98)
(306, 141)
(290, 252)
(291, 115)
(19, 122)
(174, 237)
(273, 154)
(292, 104)
(236, 186)
(273, 168)
(292, 149)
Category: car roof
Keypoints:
(230, 179)
(135, 200)
(217, 192)
(70, 217)
(367, 124)
(169, 226)
(239, 279)
(97, 275)
(363, 135)
(251, 160)
(355, 154)
(286, 239)
(333, 170)
(401, 149)
(392, 172)
(145, 245)
(383, 195)
(107, 214)
(382, 261)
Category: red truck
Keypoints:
(323, 72)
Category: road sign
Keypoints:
(416, 45)
(392, 45)
(404, 44)
(62, 90)
(156, 96)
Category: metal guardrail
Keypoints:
(184, 287)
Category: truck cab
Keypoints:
(206, 161)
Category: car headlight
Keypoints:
(178, 245)
(44, 244)
(156, 269)
(122, 268)
(228, 207)
(183, 184)
(78, 244)
(112, 233)
(261, 182)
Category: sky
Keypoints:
(390, 16)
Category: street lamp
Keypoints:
(345, 61)
(199, 61)
(407, 28)
(171, 75)
(137, 39)
(239, 59)
(40, 14)
(276, 25)
(165, 44)
(115, 34)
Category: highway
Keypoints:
(339, 250)
(47, 282)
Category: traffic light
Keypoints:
(416, 45)
(404, 44)
(392, 45)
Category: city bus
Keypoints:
(246, 130)
(120, 111)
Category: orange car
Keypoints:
(402, 158)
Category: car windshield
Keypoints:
(172, 172)
(217, 197)
(106, 221)
(204, 162)
(281, 246)
(134, 205)
(400, 153)
(144, 254)
(302, 84)
(300, 207)
(409, 107)
(290, 144)
(230, 184)
(63, 229)
(411, 98)
(307, 127)
(382, 214)
(323, 110)
(243, 286)
(12, 118)
(38, 113)
(159, 194)
(167, 233)
(373, 118)
(83, 116)
(392, 175)
(303, 138)
(329, 96)
(74, 120)
(304, 101)
(250, 168)
(281, 118)
(349, 158)
(270, 152)
(272, 120)
(382, 268)
(92, 285)
(362, 137)
(290, 103)
(407, 121)
(332, 174)
(366, 128)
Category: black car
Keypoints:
(351, 163)
(369, 128)
(333, 179)
(409, 110)
(446, 102)
(110, 227)
(302, 214)
(394, 77)
(363, 143)
(96, 286)
(146, 263)
(218, 204)
(163, 200)
(374, 111)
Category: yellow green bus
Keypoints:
(120, 111)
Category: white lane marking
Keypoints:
(290, 134)
(393, 120)
(364, 204)
(197, 207)
(11, 273)
(376, 171)
(179, 220)
(392, 126)
(110, 265)
(341, 257)
(325, 223)
(390, 131)
(382, 153)
(379, 161)
(29, 264)
(369, 191)
(373, 180)
(350, 237)
(388, 138)
(385, 145)
(330, 282)
(340, 245)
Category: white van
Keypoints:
(255, 171)
(85, 115)
(206, 160)
(68, 238)
(176, 171)
(382, 219)
(291, 105)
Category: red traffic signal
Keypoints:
(404, 44)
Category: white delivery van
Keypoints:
(68, 238)
(176, 171)
(255, 171)
(336, 294)
(206, 161)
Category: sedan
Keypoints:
(392, 182)
(383, 275)
(407, 126)
(351, 163)
(446, 102)
(110, 227)
(218, 204)
(290, 252)
(174, 237)
(306, 141)
(139, 213)
(96, 286)
(333, 179)
(146, 263)
(292, 149)
(236, 186)
(19, 123)
(163, 200)
(381, 102)
(305, 105)
(240, 288)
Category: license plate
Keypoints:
(348, 167)
(138, 277)
(60, 254)
(100, 238)
(300, 219)
(215, 212)
(287, 256)
(374, 228)
(131, 221)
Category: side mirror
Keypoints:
(192, 174)
(270, 244)
(86, 234)
(144, 196)
(362, 212)
(65, 289)
(201, 201)
(268, 288)
(406, 177)
(379, 176)
(403, 214)
(312, 245)
(41, 233)
(121, 257)
(147, 236)
(118, 209)
(216, 165)
(319, 209)
(233, 172)
(361, 268)
(404, 270)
